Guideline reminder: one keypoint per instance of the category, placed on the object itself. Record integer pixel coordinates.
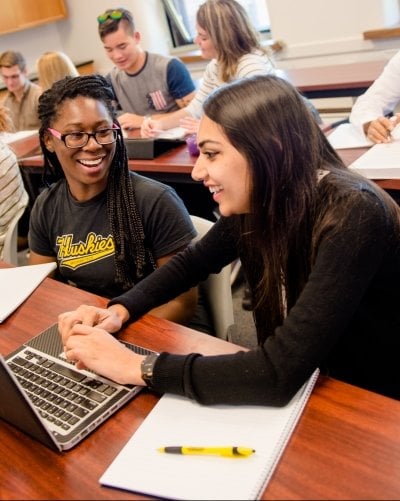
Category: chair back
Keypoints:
(10, 248)
(217, 288)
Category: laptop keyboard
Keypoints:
(63, 396)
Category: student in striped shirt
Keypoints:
(12, 192)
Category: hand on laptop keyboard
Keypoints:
(109, 319)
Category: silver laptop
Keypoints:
(44, 395)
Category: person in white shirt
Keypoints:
(226, 36)
(370, 111)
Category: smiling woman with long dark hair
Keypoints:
(320, 246)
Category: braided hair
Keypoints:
(133, 259)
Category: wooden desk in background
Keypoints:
(351, 154)
(339, 80)
(174, 166)
(382, 33)
(346, 445)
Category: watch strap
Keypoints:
(147, 368)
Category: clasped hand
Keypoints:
(87, 341)
(130, 121)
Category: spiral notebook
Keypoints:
(139, 467)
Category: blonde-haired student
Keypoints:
(225, 36)
(53, 66)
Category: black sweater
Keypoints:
(346, 320)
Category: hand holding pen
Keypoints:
(380, 130)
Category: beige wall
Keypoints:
(316, 32)
(78, 37)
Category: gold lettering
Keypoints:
(81, 253)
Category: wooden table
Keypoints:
(173, 167)
(349, 155)
(346, 445)
(338, 80)
(175, 164)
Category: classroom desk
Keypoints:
(346, 444)
(174, 166)
(351, 154)
(335, 80)
(338, 80)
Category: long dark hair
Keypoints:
(266, 120)
(132, 259)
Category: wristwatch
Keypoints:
(147, 367)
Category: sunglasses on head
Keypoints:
(115, 14)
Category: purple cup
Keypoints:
(191, 141)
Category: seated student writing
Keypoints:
(106, 227)
(370, 113)
(52, 66)
(320, 246)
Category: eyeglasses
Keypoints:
(81, 139)
(115, 14)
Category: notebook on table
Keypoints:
(178, 421)
(44, 395)
(18, 283)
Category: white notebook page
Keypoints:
(347, 136)
(17, 284)
(176, 420)
(382, 161)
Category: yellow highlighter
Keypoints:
(229, 451)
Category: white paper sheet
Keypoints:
(17, 284)
(382, 161)
(347, 136)
(174, 133)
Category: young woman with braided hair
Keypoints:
(106, 227)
